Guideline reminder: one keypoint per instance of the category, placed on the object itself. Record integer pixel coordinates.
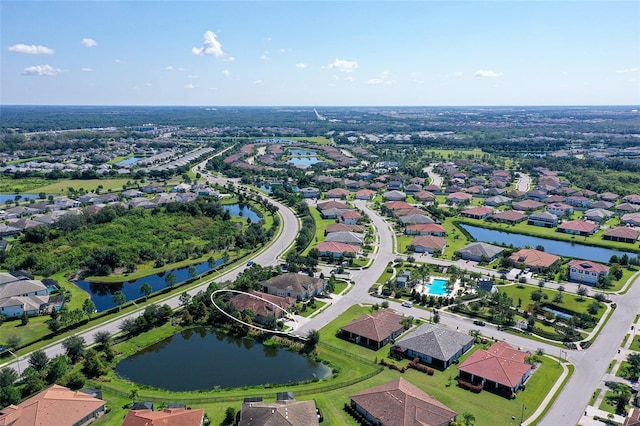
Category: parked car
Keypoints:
(250, 263)
(407, 304)
(480, 323)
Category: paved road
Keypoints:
(269, 256)
(524, 181)
(436, 179)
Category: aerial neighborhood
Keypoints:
(332, 267)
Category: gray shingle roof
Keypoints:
(436, 341)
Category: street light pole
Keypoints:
(522, 414)
(18, 361)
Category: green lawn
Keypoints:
(635, 344)
(320, 140)
(61, 187)
(310, 309)
(321, 226)
(31, 184)
(608, 403)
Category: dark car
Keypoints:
(480, 323)
(250, 263)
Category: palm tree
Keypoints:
(469, 419)
(133, 395)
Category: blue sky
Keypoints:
(320, 53)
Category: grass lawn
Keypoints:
(31, 184)
(635, 345)
(608, 403)
(340, 286)
(61, 187)
(34, 330)
(321, 226)
(453, 153)
(320, 140)
(24, 160)
(623, 370)
(310, 309)
(386, 275)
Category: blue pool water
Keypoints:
(304, 161)
(438, 287)
(128, 161)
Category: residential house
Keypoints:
(333, 213)
(459, 197)
(55, 405)
(393, 206)
(310, 192)
(434, 344)
(633, 417)
(394, 196)
(416, 218)
(428, 244)
(263, 305)
(413, 188)
(284, 411)
(497, 200)
(343, 227)
(179, 416)
(622, 234)
(560, 209)
(340, 193)
(131, 193)
(609, 197)
(299, 286)
(632, 198)
(586, 271)
(425, 229)
(424, 196)
(332, 205)
(346, 238)
(536, 194)
(535, 259)
(374, 330)
(337, 250)
(597, 215)
(578, 201)
(501, 369)
(398, 403)
(510, 216)
(365, 194)
(527, 205)
(477, 212)
(578, 227)
(627, 207)
(350, 217)
(18, 296)
(544, 219)
(600, 204)
(480, 252)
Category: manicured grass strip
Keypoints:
(61, 187)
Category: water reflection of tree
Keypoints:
(248, 343)
(102, 289)
(270, 351)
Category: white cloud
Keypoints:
(335, 78)
(120, 61)
(193, 76)
(343, 65)
(87, 69)
(349, 78)
(383, 79)
(375, 81)
(258, 82)
(42, 70)
(265, 58)
(169, 68)
(190, 86)
(302, 66)
(89, 42)
(488, 74)
(457, 74)
(229, 59)
(148, 84)
(226, 73)
(627, 70)
(210, 46)
(31, 49)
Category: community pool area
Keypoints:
(435, 287)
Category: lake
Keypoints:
(244, 211)
(128, 161)
(561, 248)
(102, 293)
(303, 161)
(6, 197)
(201, 359)
(301, 152)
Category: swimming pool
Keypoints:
(438, 287)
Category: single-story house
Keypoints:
(365, 194)
(527, 205)
(337, 193)
(394, 196)
(622, 234)
(535, 259)
(578, 227)
(479, 252)
(333, 213)
(627, 207)
(310, 192)
(337, 250)
(343, 227)
(425, 229)
(501, 369)
(633, 417)
(544, 219)
(424, 196)
(327, 205)
(413, 188)
(399, 402)
(416, 218)
(346, 238)
(578, 201)
(178, 416)
(459, 197)
(608, 196)
(374, 330)
(428, 244)
(262, 309)
(597, 215)
(284, 411)
(631, 198)
(393, 206)
(510, 216)
(477, 212)
(55, 405)
(559, 209)
(434, 344)
(350, 217)
(497, 200)
(586, 271)
(631, 219)
(299, 286)
(601, 204)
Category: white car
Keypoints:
(407, 304)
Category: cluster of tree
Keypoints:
(152, 316)
(117, 237)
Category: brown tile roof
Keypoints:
(429, 241)
(534, 258)
(426, 227)
(341, 227)
(167, 417)
(280, 413)
(332, 205)
(587, 265)
(477, 211)
(242, 302)
(424, 195)
(376, 327)
(527, 205)
(501, 363)
(400, 403)
(460, 196)
(622, 232)
(633, 418)
(56, 405)
(337, 247)
(578, 225)
(397, 205)
(510, 215)
(298, 283)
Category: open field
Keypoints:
(61, 187)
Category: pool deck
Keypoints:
(421, 289)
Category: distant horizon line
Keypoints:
(331, 106)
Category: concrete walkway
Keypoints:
(552, 393)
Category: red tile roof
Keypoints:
(429, 241)
(168, 417)
(534, 258)
(501, 363)
(510, 215)
(242, 302)
(335, 247)
(578, 225)
(477, 211)
(376, 327)
(460, 196)
(426, 228)
(622, 232)
(527, 205)
(587, 265)
(397, 205)
(332, 205)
